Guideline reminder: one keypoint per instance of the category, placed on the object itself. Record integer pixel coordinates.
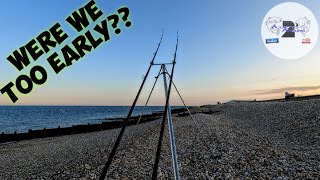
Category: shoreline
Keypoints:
(117, 122)
(81, 128)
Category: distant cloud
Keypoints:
(288, 89)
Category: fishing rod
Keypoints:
(175, 163)
(125, 122)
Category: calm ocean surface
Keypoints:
(23, 118)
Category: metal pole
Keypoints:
(171, 132)
(181, 97)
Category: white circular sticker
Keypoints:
(289, 30)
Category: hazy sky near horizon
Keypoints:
(221, 55)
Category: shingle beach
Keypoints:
(257, 140)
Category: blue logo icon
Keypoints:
(272, 40)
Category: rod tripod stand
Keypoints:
(166, 115)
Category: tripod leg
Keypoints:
(155, 82)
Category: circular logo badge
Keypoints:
(289, 30)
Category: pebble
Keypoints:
(87, 166)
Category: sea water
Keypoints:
(23, 118)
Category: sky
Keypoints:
(220, 57)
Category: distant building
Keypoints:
(288, 95)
